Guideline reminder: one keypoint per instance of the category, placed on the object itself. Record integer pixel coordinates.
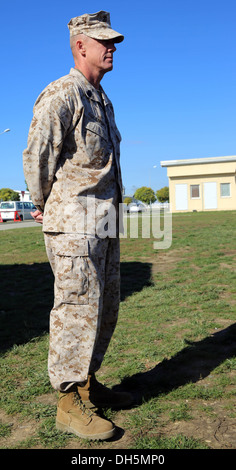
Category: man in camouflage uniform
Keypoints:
(72, 169)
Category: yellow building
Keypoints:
(202, 184)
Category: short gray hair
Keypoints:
(74, 39)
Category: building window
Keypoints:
(195, 191)
(225, 189)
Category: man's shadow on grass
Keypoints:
(193, 363)
(26, 298)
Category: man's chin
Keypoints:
(108, 68)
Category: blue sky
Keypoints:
(172, 86)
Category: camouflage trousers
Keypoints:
(86, 304)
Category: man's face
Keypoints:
(99, 54)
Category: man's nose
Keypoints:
(111, 46)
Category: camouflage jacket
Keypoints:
(71, 163)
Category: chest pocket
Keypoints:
(97, 143)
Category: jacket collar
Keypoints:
(89, 89)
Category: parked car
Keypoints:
(137, 207)
(16, 210)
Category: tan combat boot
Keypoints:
(100, 396)
(76, 417)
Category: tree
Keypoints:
(163, 194)
(7, 194)
(145, 195)
(127, 200)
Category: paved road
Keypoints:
(24, 224)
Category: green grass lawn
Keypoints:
(173, 348)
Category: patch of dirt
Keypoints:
(217, 431)
(21, 429)
(165, 261)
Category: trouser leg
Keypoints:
(81, 269)
(110, 303)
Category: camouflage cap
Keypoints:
(95, 25)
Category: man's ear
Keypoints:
(80, 47)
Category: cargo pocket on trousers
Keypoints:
(72, 273)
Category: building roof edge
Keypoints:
(197, 161)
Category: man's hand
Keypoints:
(37, 216)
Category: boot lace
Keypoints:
(89, 411)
